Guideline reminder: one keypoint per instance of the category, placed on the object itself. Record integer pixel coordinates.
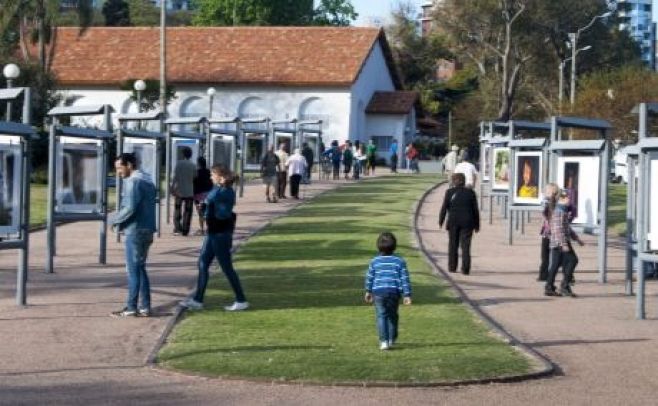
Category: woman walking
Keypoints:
(461, 205)
(218, 210)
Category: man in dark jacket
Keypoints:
(461, 205)
(307, 153)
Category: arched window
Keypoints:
(312, 108)
(193, 107)
(129, 106)
(252, 107)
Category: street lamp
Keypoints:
(561, 79)
(573, 39)
(139, 87)
(211, 94)
(11, 71)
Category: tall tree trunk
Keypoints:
(41, 33)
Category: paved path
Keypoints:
(64, 349)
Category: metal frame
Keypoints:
(123, 133)
(600, 148)
(288, 127)
(645, 145)
(632, 157)
(517, 144)
(56, 131)
(502, 139)
(20, 242)
(311, 127)
(170, 133)
(258, 126)
(228, 127)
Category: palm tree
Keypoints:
(36, 21)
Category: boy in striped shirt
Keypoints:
(387, 279)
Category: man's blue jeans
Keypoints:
(386, 308)
(137, 248)
(218, 246)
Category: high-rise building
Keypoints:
(635, 17)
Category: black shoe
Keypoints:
(452, 270)
(541, 279)
(567, 292)
(466, 272)
(551, 293)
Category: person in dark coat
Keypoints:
(461, 206)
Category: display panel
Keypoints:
(652, 232)
(501, 168)
(312, 142)
(255, 150)
(528, 181)
(79, 175)
(580, 176)
(10, 184)
(223, 151)
(485, 162)
(145, 151)
(285, 140)
(178, 145)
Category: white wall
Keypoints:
(330, 105)
(374, 76)
(387, 125)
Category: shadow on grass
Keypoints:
(249, 348)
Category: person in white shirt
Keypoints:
(469, 171)
(281, 173)
(296, 166)
(450, 161)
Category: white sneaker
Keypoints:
(191, 304)
(390, 343)
(237, 306)
(384, 345)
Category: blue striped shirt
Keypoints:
(386, 274)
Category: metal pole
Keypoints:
(490, 208)
(573, 37)
(119, 181)
(23, 261)
(50, 222)
(158, 188)
(163, 60)
(167, 173)
(631, 247)
(102, 256)
(243, 152)
(561, 86)
(9, 85)
(603, 226)
(640, 312)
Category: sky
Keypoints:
(376, 8)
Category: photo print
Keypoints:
(528, 181)
(145, 151)
(580, 177)
(255, 150)
(501, 169)
(79, 176)
(222, 151)
(10, 188)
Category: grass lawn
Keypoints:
(304, 277)
(39, 204)
(617, 208)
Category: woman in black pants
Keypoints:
(461, 205)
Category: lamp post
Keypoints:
(211, 94)
(561, 78)
(11, 71)
(573, 39)
(139, 87)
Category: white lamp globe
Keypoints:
(139, 85)
(11, 71)
(211, 91)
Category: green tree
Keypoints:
(117, 13)
(335, 12)
(253, 12)
(143, 13)
(150, 95)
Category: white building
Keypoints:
(323, 73)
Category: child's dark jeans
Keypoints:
(386, 308)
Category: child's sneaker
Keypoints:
(384, 345)
(191, 304)
(237, 306)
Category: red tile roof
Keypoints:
(289, 56)
(399, 102)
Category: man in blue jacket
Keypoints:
(135, 219)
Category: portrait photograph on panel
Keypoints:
(255, 149)
(501, 168)
(79, 177)
(485, 162)
(144, 151)
(579, 176)
(10, 181)
(528, 181)
(222, 151)
(652, 232)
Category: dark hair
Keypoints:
(128, 158)
(201, 162)
(305, 144)
(187, 152)
(386, 243)
(229, 176)
(458, 179)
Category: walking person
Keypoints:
(551, 192)
(269, 167)
(282, 171)
(412, 158)
(308, 154)
(562, 252)
(182, 186)
(371, 156)
(348, 159)
(218, 212)
(386, 280)
(450, 161)
(336, 157)
(202, 185)
(296, 168)
(468, 169)
(136, 220)
(359, 159)
(393, 154)
(461, 206)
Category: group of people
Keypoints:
(278, 166)
(136, 220)
(355, 158)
